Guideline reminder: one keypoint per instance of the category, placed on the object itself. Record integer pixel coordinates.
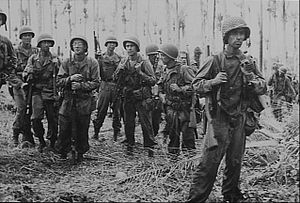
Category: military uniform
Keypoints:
(8, 63)
(229, 101)
(137, 98)
(178, 106)
(107, 93)
(76, 107)
(44, 71)
(22, 120)
(282, 91)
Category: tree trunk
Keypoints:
(168, 20)
(214, 25)
(9, 19)
(284, 20)
(261, 37)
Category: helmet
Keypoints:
(4, 17)
(197, 50)
(111, 39)
(45, 37)
(283, 69)
(24, 30)
(233, 23)
(81, 38)
(170, 50)
(133, 40)
(151, 49)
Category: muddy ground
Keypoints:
(270, 168)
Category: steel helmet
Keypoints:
(132, 40)
(233, 23)
(24, 30)
(151, 49)
(111, 39)
(45, 37)
(282, 69)
(80, 37)
(170, 50)
(197, 50)
(4, 17)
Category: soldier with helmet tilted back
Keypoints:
(136, 77)
(22, 122)
(230, 81)
(108, 91)
(78, 77)
(41, 72)
(175, 83)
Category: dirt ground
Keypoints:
(270, 170)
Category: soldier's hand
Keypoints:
(75, 85)
(174, 87)
(221, 77)
(76, 78)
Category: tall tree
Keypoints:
(284, 21)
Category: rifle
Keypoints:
(29, 95)
(210, 140)
(193, 119)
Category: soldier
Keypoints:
(8, 62)
(22, 120)
(229, 87)
(8, 59)
(152, 53)
(78, 76)
(282, 91)
(175, 83)
(41, 72)
(196, 61)
(109, 90)
(136, 76)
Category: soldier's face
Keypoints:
(79, 46)
(131, 48)
(164, 58)
(153, 58)
(111, 46)
(236, 38)
(45, 45)
(26, 38)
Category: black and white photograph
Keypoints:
(149, 101)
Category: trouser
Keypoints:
(130, 109)
(277, 105)
(39, 108)
(22, 123)
(105, 98)
(231, 141)
(73, 130)
(156, 119)
(178, 121)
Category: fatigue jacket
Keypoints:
(44, 72)
(131, 80)
(23, 56)
(181, 75)
(233, 95)
(282, 86)
(108, 65)
(8, 63)
(82, 98)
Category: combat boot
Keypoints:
(42, 144)
(15, 138)
(116, 135)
